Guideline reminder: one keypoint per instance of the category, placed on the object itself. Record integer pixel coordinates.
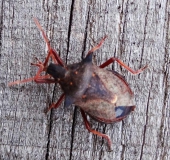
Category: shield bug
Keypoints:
(100, 93)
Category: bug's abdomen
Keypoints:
(108, 97)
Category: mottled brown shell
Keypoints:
(106, 91)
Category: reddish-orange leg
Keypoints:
(51, 52)
(56, 105)
(87, 124)
(42, 67)
(111, 60)
(37, 78)
(97, 46)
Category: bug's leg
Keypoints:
(29, 79)
(87, 124)
(111, 60)
(22, 81)
(42, 66)
(97, 46)
(37, 78)
(44, 79)
(43, 33)
(56, 105)
(51, 52)
(40, 79)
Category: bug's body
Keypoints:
(102, 94)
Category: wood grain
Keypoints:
(138, 34)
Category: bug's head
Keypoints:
(56, 71)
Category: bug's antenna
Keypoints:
(97, 46)
(43, 33)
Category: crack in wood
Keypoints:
(144, 35)
(122, 48)
(85, 34)
(48, 138)
(146, 123)
(72, 132)
(1, 25)
(161, 139)
(69, 28)
(15, 112)
(123, 145)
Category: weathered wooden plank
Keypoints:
(23, 121)
(138, 33)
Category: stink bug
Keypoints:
(100, 93)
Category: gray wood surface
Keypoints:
(138, 34)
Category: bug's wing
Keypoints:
(123, 111)
(122, 80)
(68, 101)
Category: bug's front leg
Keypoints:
(111, 60)
(42, 66)
(51, 52)
(37, 78)
(87, 124)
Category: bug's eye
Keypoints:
(122, 111)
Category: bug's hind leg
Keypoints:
(87, 124)
(56, 105)
(111, 60)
